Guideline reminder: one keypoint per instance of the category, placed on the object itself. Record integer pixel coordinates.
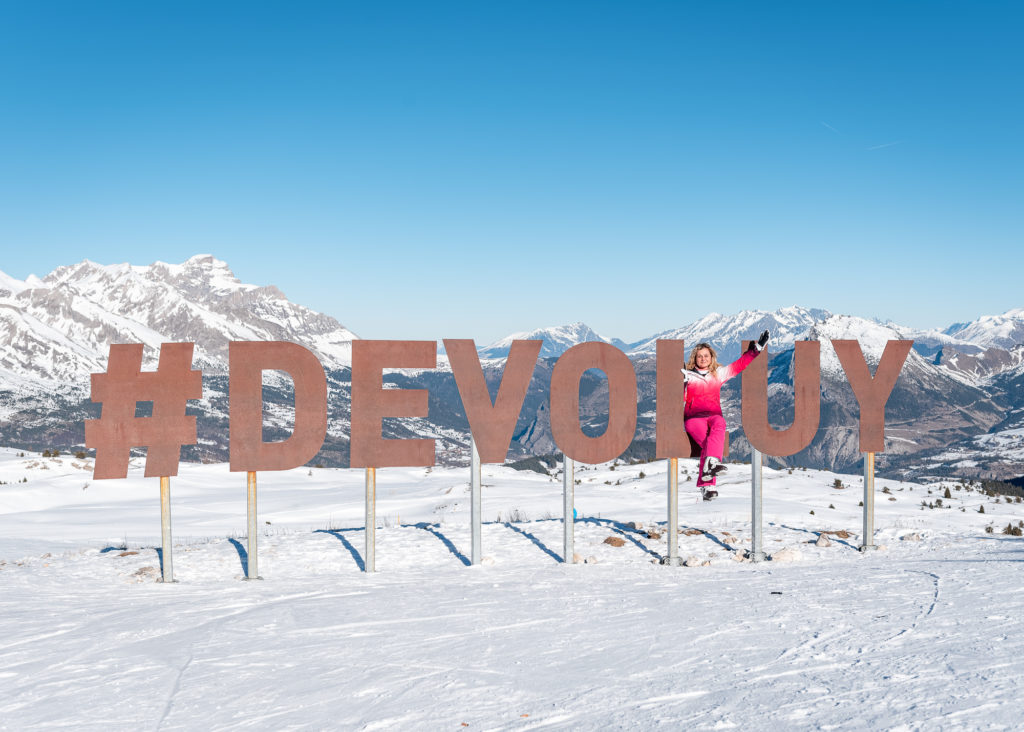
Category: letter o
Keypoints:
(565, 402)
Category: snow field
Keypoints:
(922, 635)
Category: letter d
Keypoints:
(248, 360)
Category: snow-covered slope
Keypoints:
(12, 286)
(557, 340)
(983, 366)
(870, 334)
(924, 633)
(930, 341)
(996, 455)
(1004, 331)
(1015, 369)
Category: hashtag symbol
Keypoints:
(124, 384)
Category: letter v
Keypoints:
(492, 425)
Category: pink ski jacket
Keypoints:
(703, 391)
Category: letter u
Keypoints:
(806, 402)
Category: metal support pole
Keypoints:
(756, 514)
(475, 508)
(868, 540)
(166, 552)
(673, 513)
(371, 520)
(568, 521)
(252, 545)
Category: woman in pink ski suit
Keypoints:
(703, 411)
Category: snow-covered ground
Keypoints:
(923, 634)
(996, 455)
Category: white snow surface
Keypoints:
(12, 284)
(922, 634)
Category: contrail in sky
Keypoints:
(887, 144)
(826, 124)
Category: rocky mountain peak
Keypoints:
(60, 332)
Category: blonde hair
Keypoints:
(691, 365)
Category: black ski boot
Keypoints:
(712, 468)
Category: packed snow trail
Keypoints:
(924, 637)
(925, 634)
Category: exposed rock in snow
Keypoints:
(786, 554)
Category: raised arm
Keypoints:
(737, 366)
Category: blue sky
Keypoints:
(427, 170)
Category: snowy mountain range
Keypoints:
(557, 340)
(57, 329)
(726, 331)
(1002, 331)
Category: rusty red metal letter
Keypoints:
(247, 362)
(872, 393)
(806, 402)
(565, 402)
(121, 388)
(671, 439)
(492, 425)
(371, 403)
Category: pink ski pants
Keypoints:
(709, 432)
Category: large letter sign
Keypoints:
(565, 402)
(806, 402)
(492, 424)
(872, 392)
(248, 361)
(371, 403)
(165, 431)
(670, 435)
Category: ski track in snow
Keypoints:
(920, 635)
